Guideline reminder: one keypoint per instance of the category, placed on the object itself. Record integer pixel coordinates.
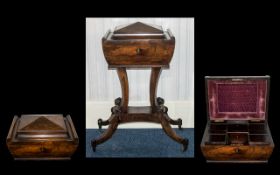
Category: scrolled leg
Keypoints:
(113, 124)
(175, 122)
(171, 133)
(101, 123)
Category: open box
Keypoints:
(237, 129)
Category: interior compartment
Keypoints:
(218, 128)
(257, 129)
(238, 138)
(238, 133)
(259, 139)
(237, 128)
(217, 139)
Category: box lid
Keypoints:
(237, 97)
(138, 30)
(41, 126)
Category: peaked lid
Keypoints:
(138, 30)
(37, 123)
(43, 123)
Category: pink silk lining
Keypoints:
(229, 100)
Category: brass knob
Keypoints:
(138, 51)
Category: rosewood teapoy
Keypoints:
(139, 45)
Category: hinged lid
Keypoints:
(237, 98)
(138, 30)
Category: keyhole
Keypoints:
(42, 149)
(138, 51)
(236, 150)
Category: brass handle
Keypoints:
(138, 51)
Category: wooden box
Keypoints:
(42, 137)
(237, 129)
(138, 45)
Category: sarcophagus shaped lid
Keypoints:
(138, 30)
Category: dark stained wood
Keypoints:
(171, 133)
(138, 28)
(42, 123)
(237, 141)
(223, 142)
(125, 89)
(139, 46)
(127, 53)
(242, 153)
(42, 137)
(155, 73)
(152, 118)
(140, 114)
(113, 124)
(174, 122)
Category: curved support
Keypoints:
(114, 121)
(175, 122)
(155, 73)
(156, 113)
(101, 122)
(125, 89)
(172, 134)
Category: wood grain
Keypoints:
(42, 144)
(236, 149)
(155, 73)
(146, 52)
(125, 89)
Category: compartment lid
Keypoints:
(138, 30)
(237, 97)
(41, 126)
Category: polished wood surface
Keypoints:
(139, 45)
(242, 153)
(125, 88)
(145, 53)
(42, 137)
(155, 73)
(138, 28)
(156, 113)
(243, 142)
(133, 52)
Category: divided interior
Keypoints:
(230, 133)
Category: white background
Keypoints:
(176, 84)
